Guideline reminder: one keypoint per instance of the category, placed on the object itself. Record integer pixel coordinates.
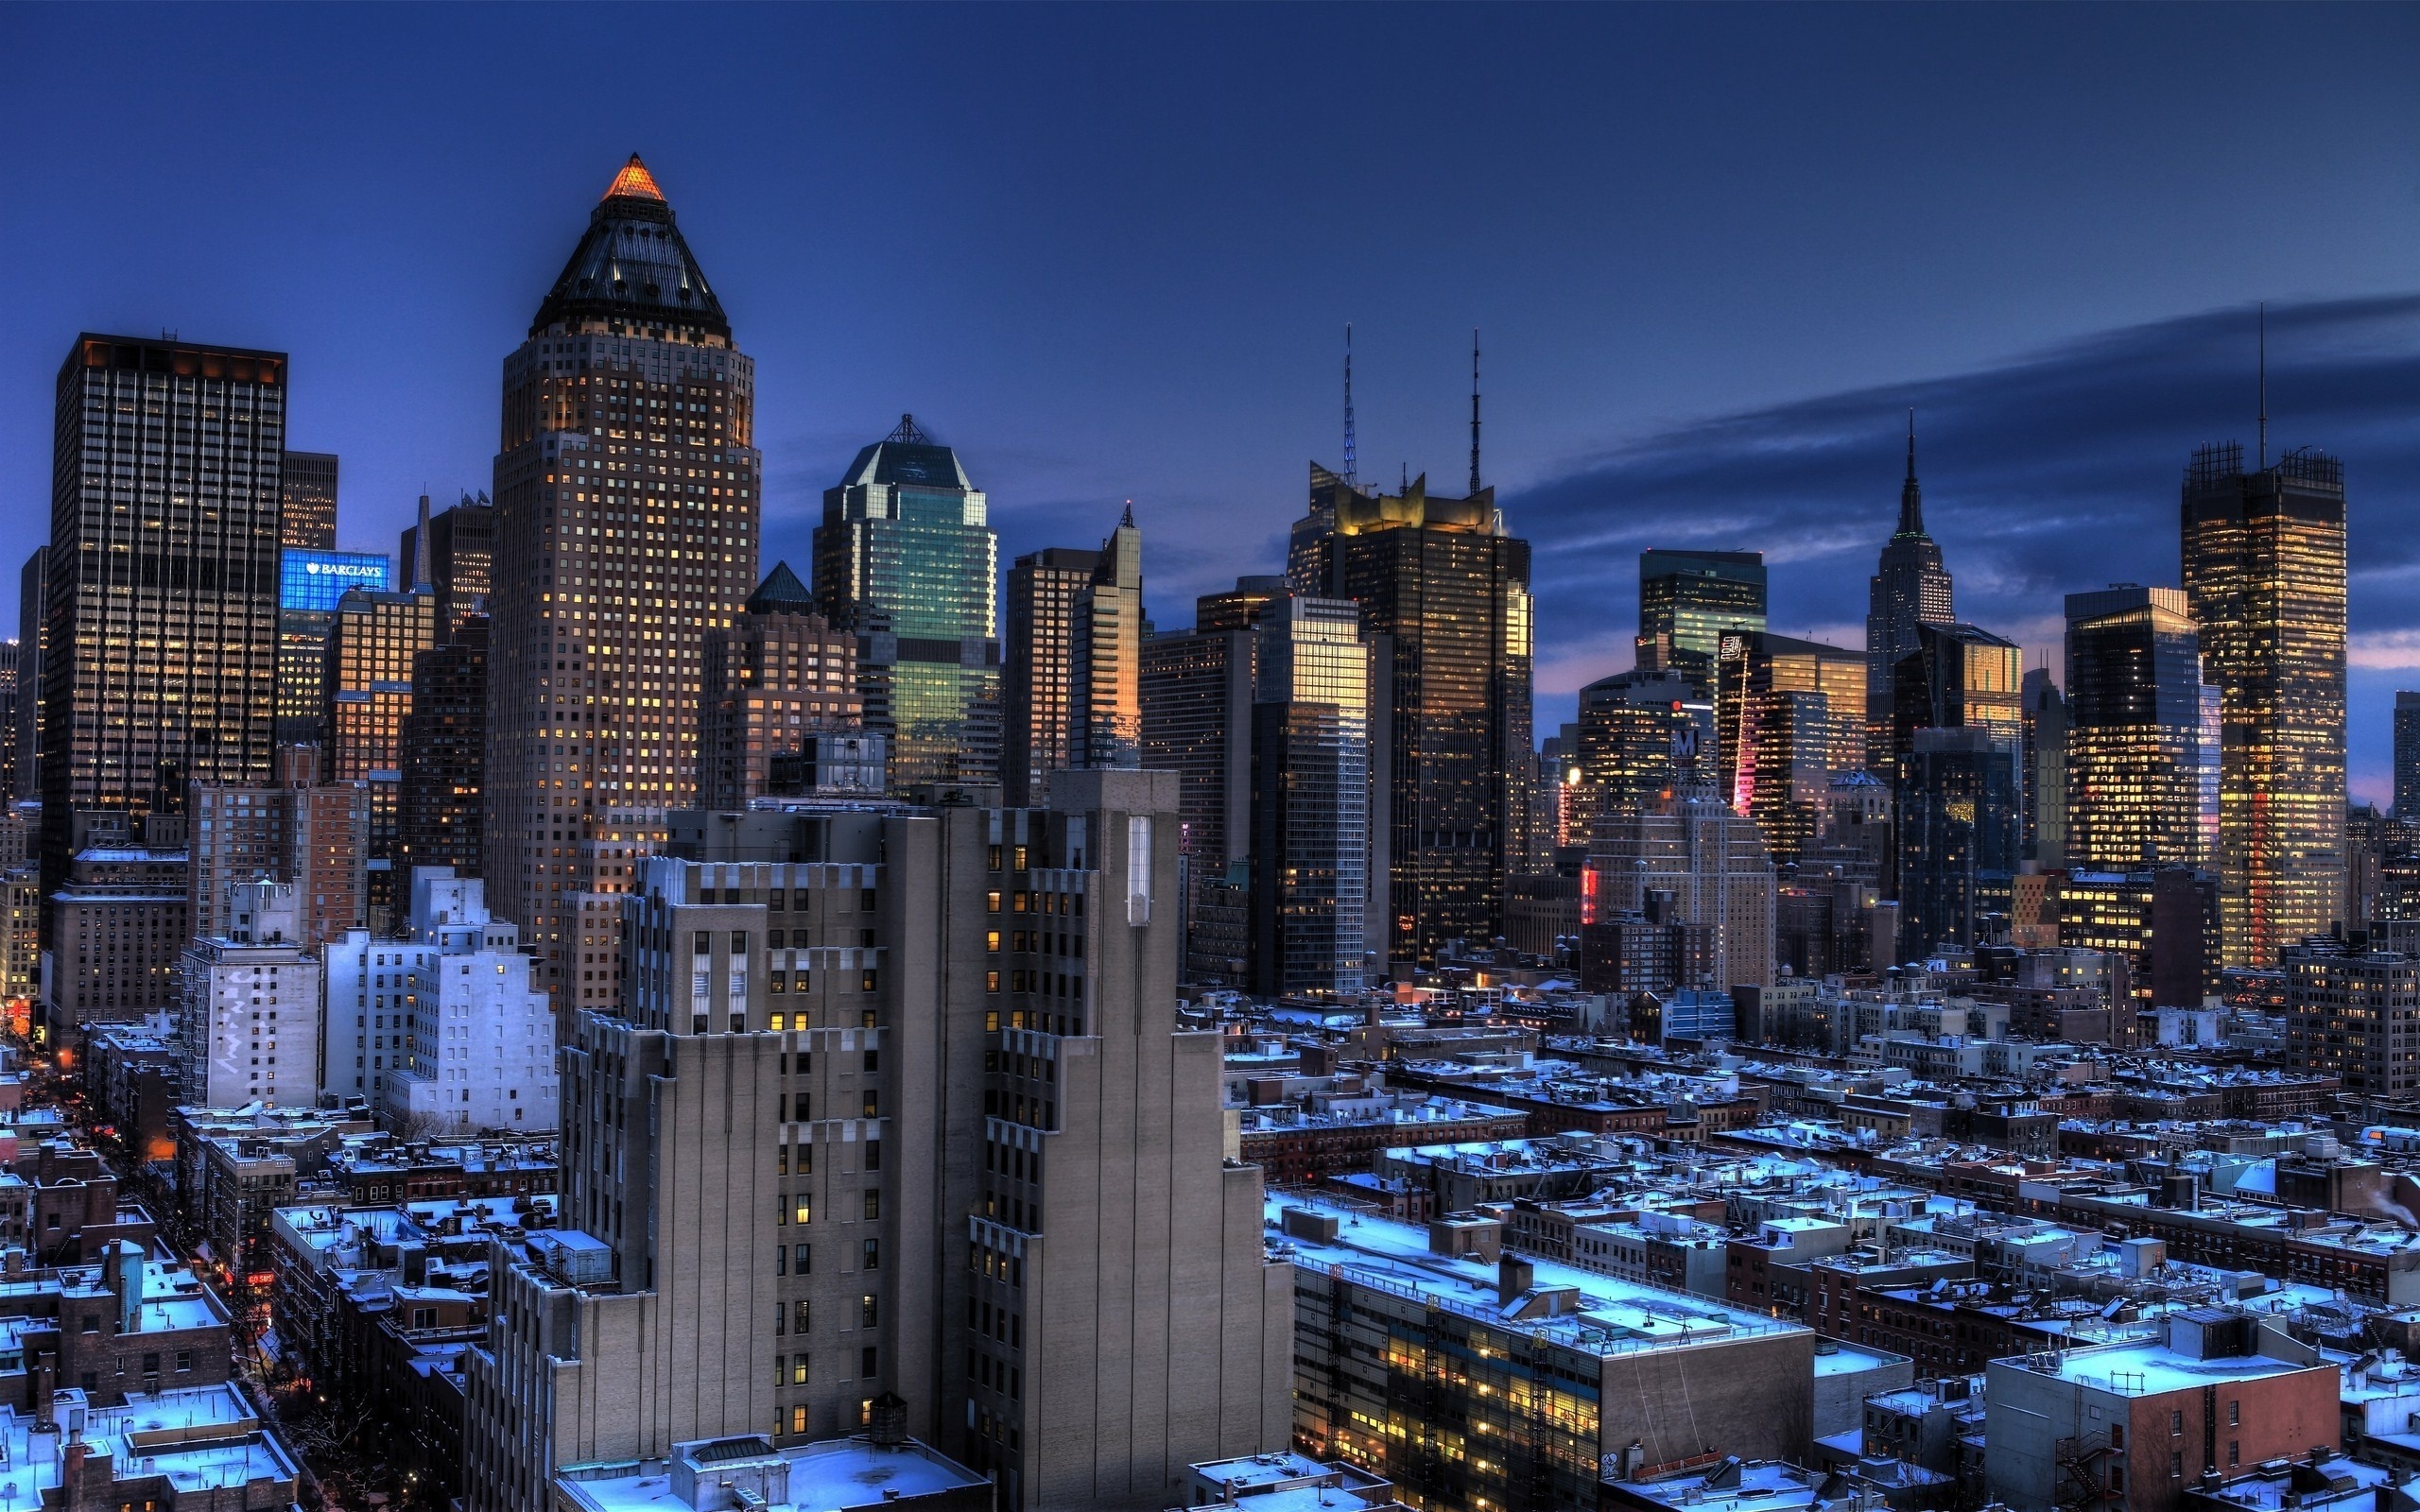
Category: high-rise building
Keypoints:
(1789, 713)
(1104, 688)
(374, 643)
(1310, 546)
(1910, 589)
(781, 1213)
(1038, 666)
(1449, 589)
(2352, 1015)
(626, 512)
(249, 1005)
(309, 583)
(1640, 731)
(478, 1040)
(2142, 769)
(300, 830)
(460, 562)
(2406, 757)
(1957, 799)
(307, 501)
(1310, 799)
(24, 724)
(1688, 600)
(12, 692)
(1196, 722)
(2164, 923)
(2044, 766)
(2264, 575)
(161, 589)
(905, 560)
(1687, 859)
(779, 673)
(440, 788)
(118, 923)
(1959, 677)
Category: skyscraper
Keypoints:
(2142, 778)
(2045, 768)
(162, 591)
(309, 584)
(1957, 833)
(1688, 600)
(626, 504)
(779, 673)
(904, 560)
(374, 645)
(1910, 588)
(1310, 801)
(445, 753)
(1687, 859)
(460, 561)
(301, 830)
(1640, 731)
(2264, 575)
(307, 507)
(1446, 585)
(2406, 757)
(1044, 587)
(1959, 677)
(24, 725)
(1104, 691)
(783, 1202)
(1789, 713)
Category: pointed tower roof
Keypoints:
(1911, 498)
(632, 265)
(781, 592)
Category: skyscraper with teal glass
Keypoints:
(905, 559)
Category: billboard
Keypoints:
(316, 579)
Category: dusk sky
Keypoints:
(1108, 253)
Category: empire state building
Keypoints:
(1911, 589)
(626, 504)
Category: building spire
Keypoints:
(1351, 478)
(1474, 412)
(634, 182)
(1911, 499)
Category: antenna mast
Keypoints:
(1474, 411)
(2264, 385)
(1351, 470)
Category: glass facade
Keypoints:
(905, 559)
(1311, 810)
(1959, 824)
(1638, 732)
(1688, 600)
(1789, 713)
(2141, 783)
(316, 579)
(2264, 575)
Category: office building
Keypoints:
(307, 501)
(2406, 757)
(309, 584)
(2142, 784)
(1036, 735)
(2264, 577)
(2354, 1014)
(1958, 835)
(778, 675)
(374, 643)
(249, 1005)
(1079, 1253)
(24, 724)
(1104, 686)
(118, 923)
(904, 560)
(1440, 579)
(1688, 601)
(12, 692)
(161, 588)
(2164, 921)
(1310, 799)
(2044, 765)
(20, 941)
(479, 1041)
(460, 562)
(1712, 871)
(1959, 677)
(1639, 733)
(1196, 722)
(1789, 713)
(1910, 589)
(626, 512)
(297, 829)
(440, 786)
(1311, 544)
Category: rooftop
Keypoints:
(826, 1477)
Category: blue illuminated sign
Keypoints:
(316, 579)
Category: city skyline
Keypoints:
(2089, 380)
